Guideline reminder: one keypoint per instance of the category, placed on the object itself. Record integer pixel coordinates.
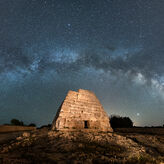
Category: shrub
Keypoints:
(32, 124)
(120, 122)
(16, 122)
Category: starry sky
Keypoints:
(113, 47)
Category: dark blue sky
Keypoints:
(113, 47)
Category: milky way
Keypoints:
(112, 47)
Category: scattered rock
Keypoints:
(19, 138)
(91, 147)
(34, 135)
(26, 134)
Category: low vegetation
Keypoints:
(17, 122)
(120, 122)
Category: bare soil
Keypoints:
(45, 146)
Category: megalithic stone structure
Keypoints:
(79, 111)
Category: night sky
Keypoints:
(113, 47)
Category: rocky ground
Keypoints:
(44, 146)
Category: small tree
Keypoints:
(16, 122)
(120, 122)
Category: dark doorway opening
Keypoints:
(86, 124)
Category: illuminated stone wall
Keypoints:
(81, 110)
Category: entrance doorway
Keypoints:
(86, 124)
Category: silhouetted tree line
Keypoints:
(120, 122)
(20, 123)
(16, 122)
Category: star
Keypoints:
(138, 114)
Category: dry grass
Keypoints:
(10, 128)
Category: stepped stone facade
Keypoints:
(80, 111)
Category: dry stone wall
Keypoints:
(81, 110)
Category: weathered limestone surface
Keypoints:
(81, 110)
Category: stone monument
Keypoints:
(81, 111)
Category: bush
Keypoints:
(16, 122)
(32, 124)
(120, 122)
